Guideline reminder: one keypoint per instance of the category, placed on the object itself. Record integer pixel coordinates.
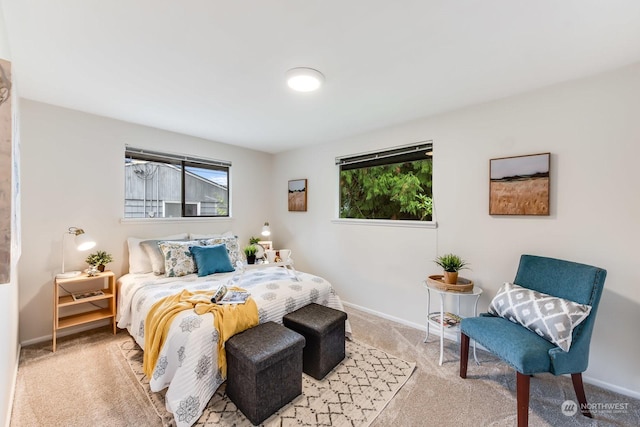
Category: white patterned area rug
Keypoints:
(352, 394)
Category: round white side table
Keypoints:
(475, 293)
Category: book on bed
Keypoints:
(223, 295)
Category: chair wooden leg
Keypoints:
(522, 387)
(578, 387)
(464, 354)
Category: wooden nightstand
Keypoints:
(99, 313)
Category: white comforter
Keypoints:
(187, 363)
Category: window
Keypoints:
(160, 185)
(394, 184)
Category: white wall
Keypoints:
(73, 175)
(592, 130)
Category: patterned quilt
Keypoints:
(187, 364)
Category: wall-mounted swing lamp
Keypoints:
(266, 230)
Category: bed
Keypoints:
(187, 364)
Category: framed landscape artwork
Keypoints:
(298, 195)
(6, 141)
(519, 185)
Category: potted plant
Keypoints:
(253, 240)
(250, 252)
(99, 259)
(451, 264)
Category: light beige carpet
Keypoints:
(351, 395)
(88, 382)
(84, 383)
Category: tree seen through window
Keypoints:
(395, 186)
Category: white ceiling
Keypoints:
(215, 68)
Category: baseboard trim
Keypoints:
(611, 387)
(448, 335)
(69, 331)
(453, 337)
(12, 392)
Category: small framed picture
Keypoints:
(298, 195)
(519, 185)
(266, 244)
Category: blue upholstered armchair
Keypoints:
(526, 351)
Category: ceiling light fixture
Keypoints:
(304, 79)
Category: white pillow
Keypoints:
(139, 262)
(194, 236)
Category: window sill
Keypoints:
(386, 223)
(174, 220)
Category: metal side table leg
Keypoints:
(426, 337)
(441, 328)
(475, 313)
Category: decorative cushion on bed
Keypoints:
(178, 260)
(156, 258)
(212, 259)
(550, 317)
(195, 236)
(231, 242)
(139, 262)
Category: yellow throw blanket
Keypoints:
(228, 319)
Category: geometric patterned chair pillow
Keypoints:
(550, 317)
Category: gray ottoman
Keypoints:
(264, 369)
(323, 329)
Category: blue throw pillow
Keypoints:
(212, 259)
